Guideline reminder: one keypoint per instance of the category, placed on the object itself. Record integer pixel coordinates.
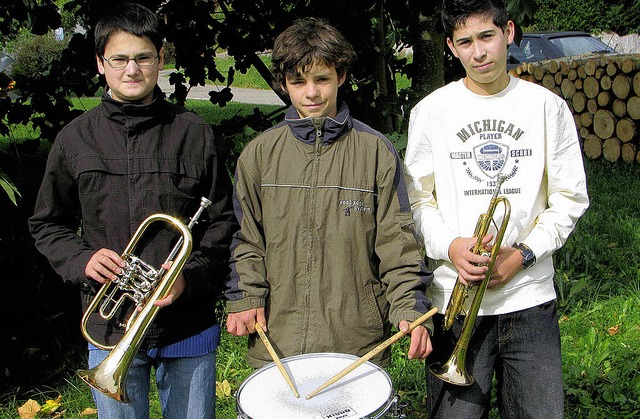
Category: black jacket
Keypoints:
(111, 168)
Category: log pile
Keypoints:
(603, 93)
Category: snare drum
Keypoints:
(366, 392)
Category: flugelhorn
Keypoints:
(144, 285)
(454, 371)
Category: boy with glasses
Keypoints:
(135, 155)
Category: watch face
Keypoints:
(528, 258)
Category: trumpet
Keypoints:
(454, 370)
(144, 285)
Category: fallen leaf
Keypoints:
(223, 389)
(29, 409)
(89, 411)
(50, 406)
(613, 330)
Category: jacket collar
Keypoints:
(304, 129)
(137, 116)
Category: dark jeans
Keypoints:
(521, 348)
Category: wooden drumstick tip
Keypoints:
(275, 358)
(373, 352)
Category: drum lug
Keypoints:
(397, 409)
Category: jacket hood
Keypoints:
(304, 129)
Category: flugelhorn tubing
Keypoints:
(93, 306)
(184, 251)
(204, 203)
(109, 377)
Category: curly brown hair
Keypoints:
(306, 42)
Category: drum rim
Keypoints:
(375, 414)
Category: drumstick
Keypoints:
(373, 352)
(275, 358)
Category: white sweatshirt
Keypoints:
(458, 144)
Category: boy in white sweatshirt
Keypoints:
(461, 137)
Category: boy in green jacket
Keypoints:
(326, 257)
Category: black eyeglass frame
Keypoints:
(149, 65)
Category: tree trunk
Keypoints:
(611, 149)
(625, 129)
(629, 152)
(380, 73)
(428, 60)
(604, 124)
(633, 107)
(593, 146)
(621, 86)
(636, 84)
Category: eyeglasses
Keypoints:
(119, 62)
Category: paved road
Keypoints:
(254, 96)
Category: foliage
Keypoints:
(600, 257)
(619, 16)
(600, 359)
(9, 188)
(33, 58)
(250, 79)
(40, 341)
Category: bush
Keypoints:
(169, 54)
(620, 16)
(600, 360)
(40, 336)
(33, 57)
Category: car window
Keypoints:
(529, 50)
(578, 45)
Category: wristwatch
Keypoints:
(528, 257)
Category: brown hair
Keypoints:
(131, 18)
(307, 42)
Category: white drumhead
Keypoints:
(364, 392)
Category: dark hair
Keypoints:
(307, 42)
(131, 18)
(456, 12)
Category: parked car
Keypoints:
(538, 46)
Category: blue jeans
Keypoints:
(521, 348)
(186, 387)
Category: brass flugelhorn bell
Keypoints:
(454, 371)
(144, 285)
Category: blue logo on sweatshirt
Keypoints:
(491, 157)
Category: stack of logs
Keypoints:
(604, 94)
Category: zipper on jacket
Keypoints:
(313, 243)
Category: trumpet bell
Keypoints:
(110, 375)
(452, 372)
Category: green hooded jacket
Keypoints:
(326, 241)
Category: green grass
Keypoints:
(250, 79)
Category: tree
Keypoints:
(619, 16)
